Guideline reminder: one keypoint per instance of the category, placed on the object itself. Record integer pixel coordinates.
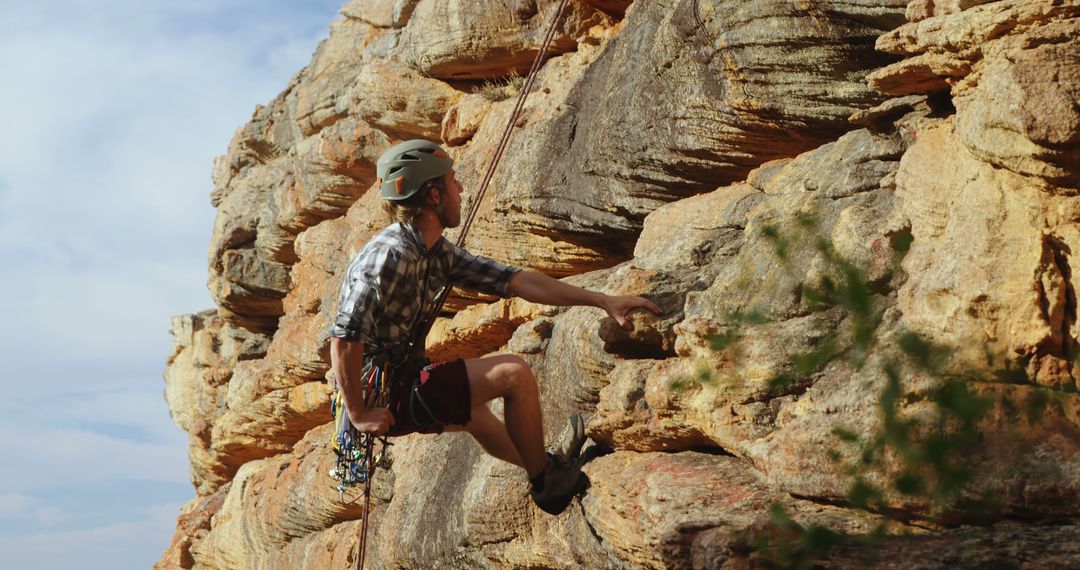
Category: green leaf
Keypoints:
(862, 493)
(819, 539)
(723, 340)
(754, 317)
(909, 483)
(901, 241)
(780, 517)
(780, 245)
(846, 435)
(807, 220)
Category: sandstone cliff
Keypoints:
(661, 138)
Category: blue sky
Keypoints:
(113, 111)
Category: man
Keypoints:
(391, 286)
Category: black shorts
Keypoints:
(442, 392)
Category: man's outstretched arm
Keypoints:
(347, 362)
(539, 288)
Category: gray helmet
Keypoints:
(403, 169)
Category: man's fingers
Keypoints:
(621, 319)
(643, 303)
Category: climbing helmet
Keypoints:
(405, 168)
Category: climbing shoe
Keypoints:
(568, 445)
(558, 485)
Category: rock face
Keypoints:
(660, 146)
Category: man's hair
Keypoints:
(410, 209)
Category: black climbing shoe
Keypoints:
(562, 480)
(568, 445)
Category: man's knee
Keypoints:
(499, 377)
(516, 375)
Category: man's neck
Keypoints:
(430, 227)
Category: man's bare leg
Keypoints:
(490, 433)
(509, 377)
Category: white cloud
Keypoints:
(15, 505)
(25, 507)
(51, 457)
(49, 516)
(132, 543)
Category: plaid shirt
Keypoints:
(381, 296)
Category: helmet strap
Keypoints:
(440, 212)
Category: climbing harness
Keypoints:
(356, 457)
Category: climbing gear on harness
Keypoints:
(352, 468)
(404, 169)
(356, 457)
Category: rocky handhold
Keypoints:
(640, 340)
(321, 97)
(381, 13)
(659, 510)
(471, 39)
(464, 119)
(924, 73)
(883, 115)
(960, 287)
(401, 101)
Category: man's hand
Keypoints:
(619, 306)
(347, 362)
(373, 420)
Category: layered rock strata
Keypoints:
(659, 142)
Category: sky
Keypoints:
(113, 111)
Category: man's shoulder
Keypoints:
(389, 244)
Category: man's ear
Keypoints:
(435, 195)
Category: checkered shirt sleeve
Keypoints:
(367, 293)
(480, 273)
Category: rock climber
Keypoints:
(391, 285)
